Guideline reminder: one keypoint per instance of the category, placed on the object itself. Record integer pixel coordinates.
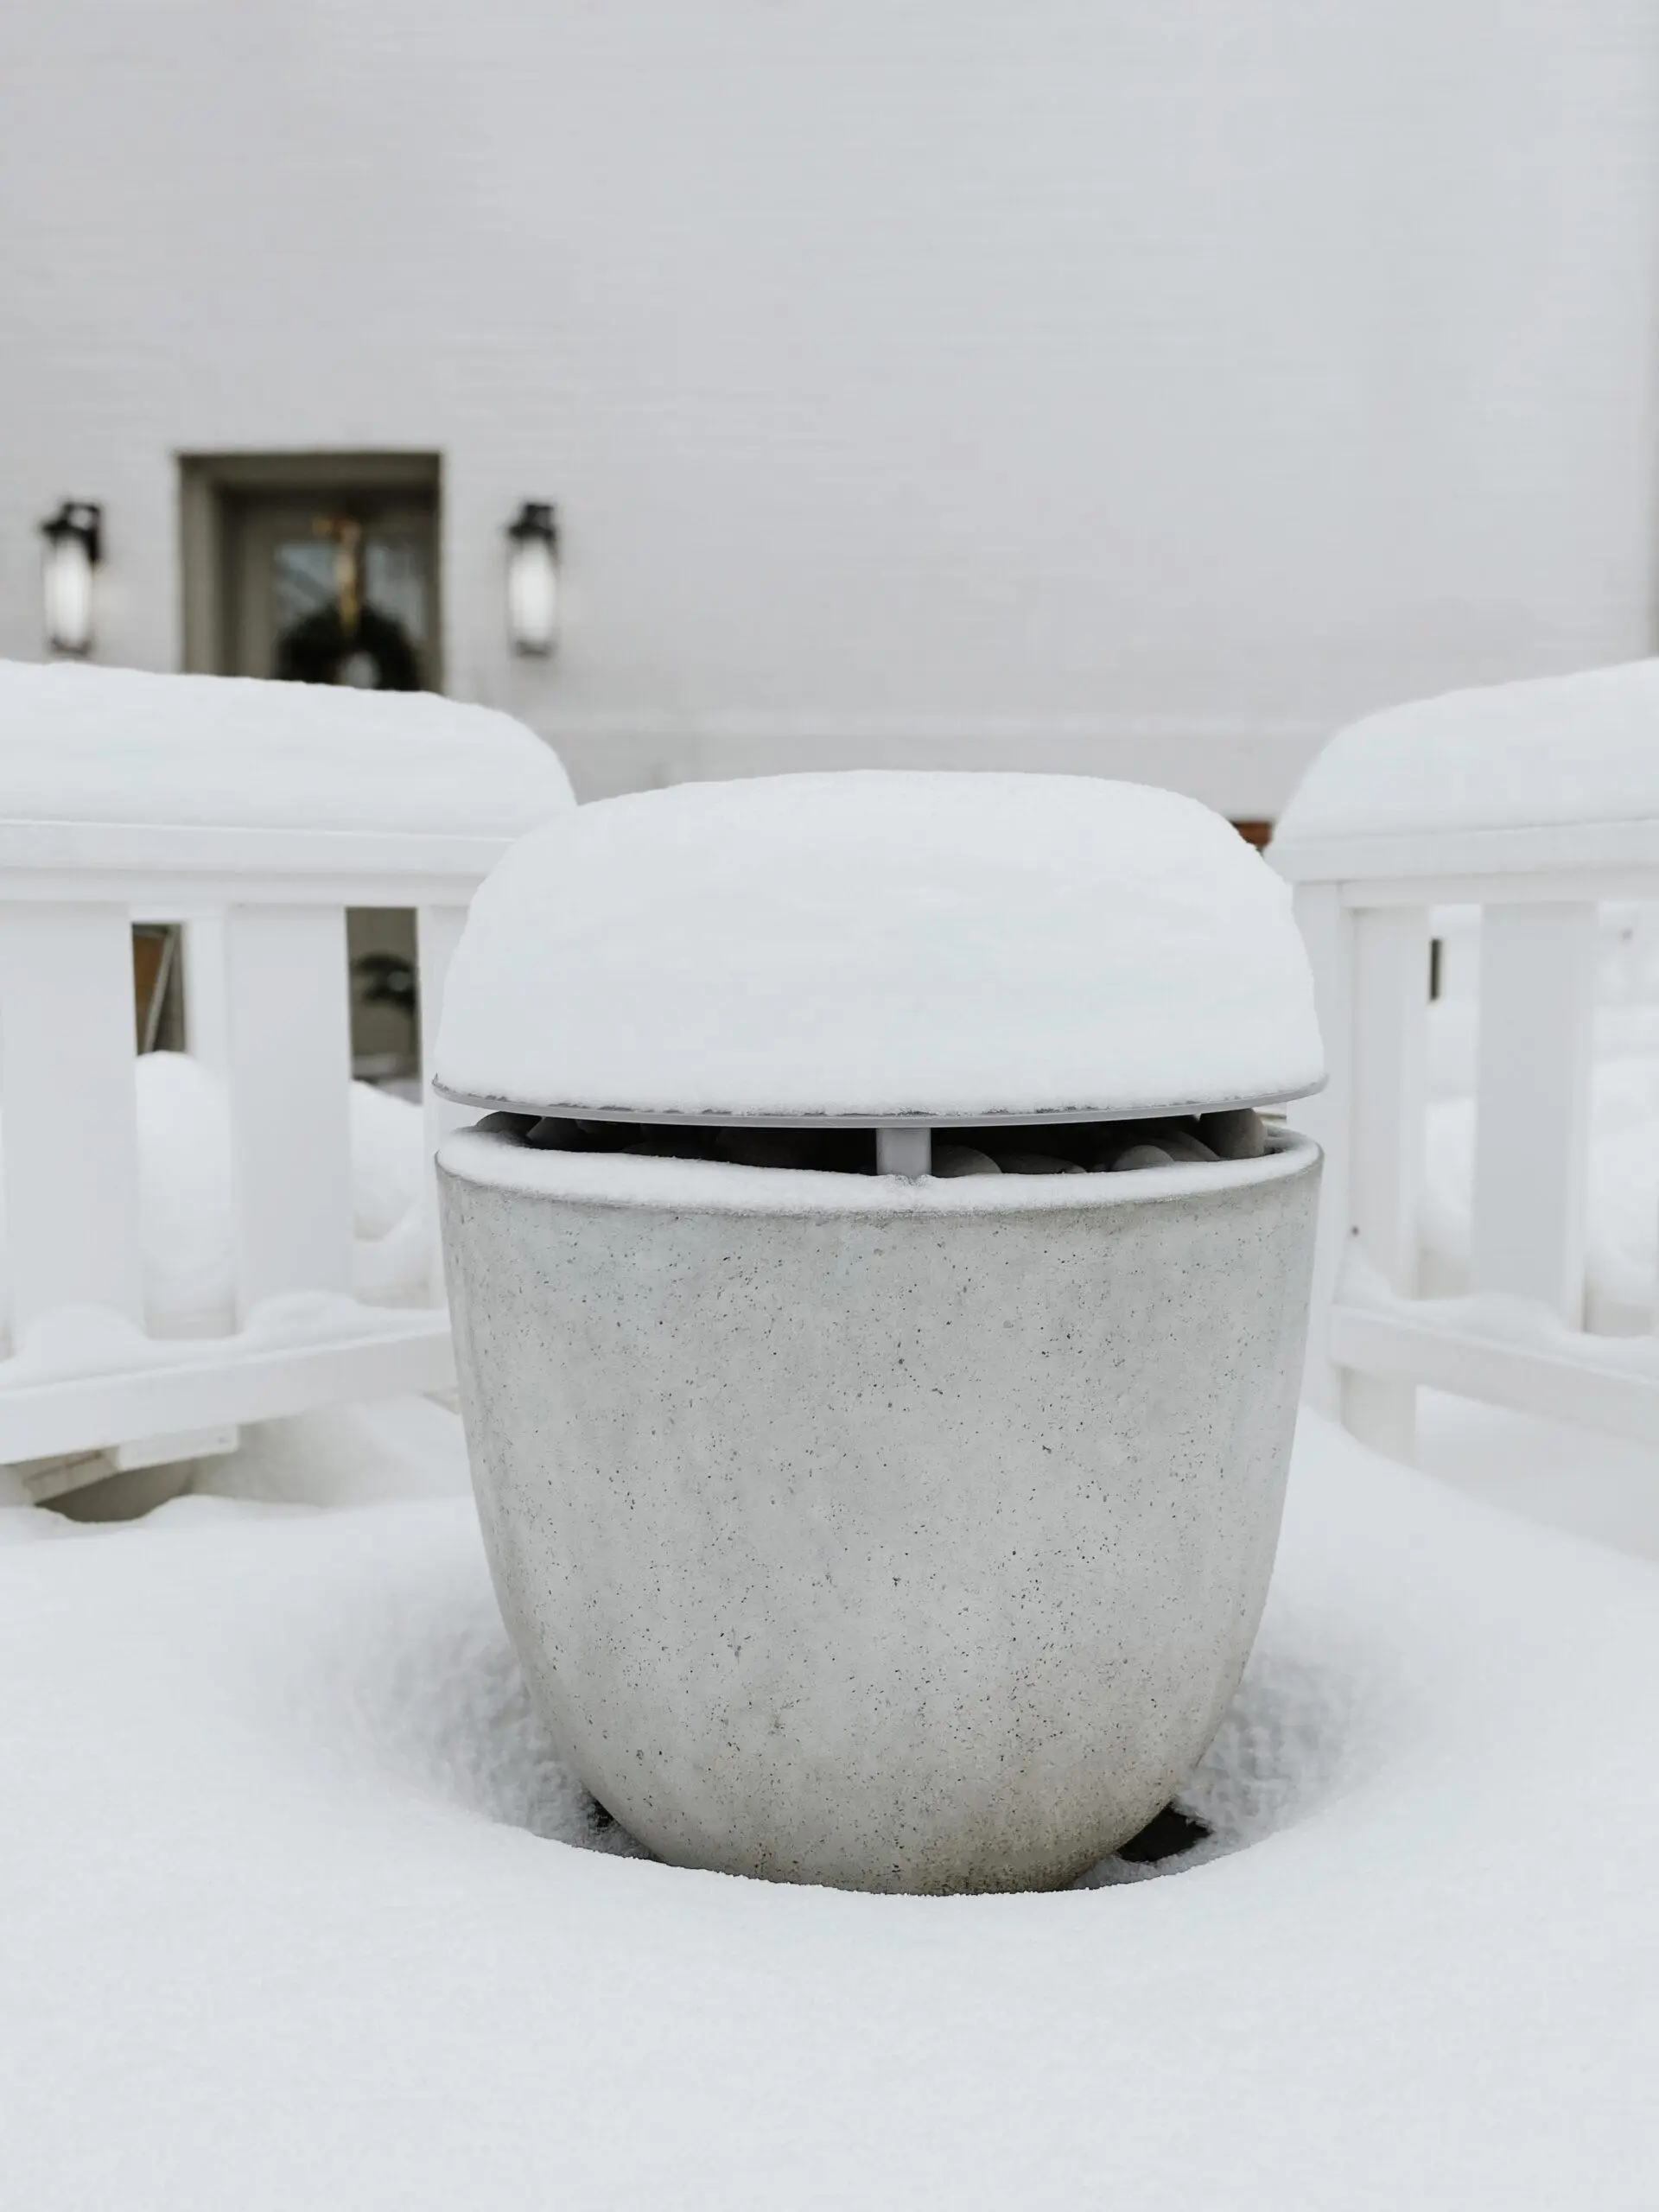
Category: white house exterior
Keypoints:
(1140, 386)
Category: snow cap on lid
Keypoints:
(875, 946)
(115, 745)
(1567, 754)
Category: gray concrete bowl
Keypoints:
(894, 1536)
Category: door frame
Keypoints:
(211, 486)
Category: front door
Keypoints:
(324, 569)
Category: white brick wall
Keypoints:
(1139, 384)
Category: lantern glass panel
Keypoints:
(532, 594)
(68, 592)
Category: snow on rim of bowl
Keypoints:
(881, 945)
(119, 745)
(487, 1157)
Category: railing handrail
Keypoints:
(40, 860)
(1598, 848)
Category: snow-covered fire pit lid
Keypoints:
(121, 745)
(872, 947)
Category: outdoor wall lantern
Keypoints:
(533, 579)
(73, 545)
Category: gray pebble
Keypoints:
(1239, 1134)
(1141, 1155)
(506, 1125)
(1036, 1163)
(963, 1159)
(553, 1133)
(1180, 1142)
(1106, 1139)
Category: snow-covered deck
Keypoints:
(306, 1912)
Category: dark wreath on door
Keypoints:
(347, 639)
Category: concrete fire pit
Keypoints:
(899, 1530)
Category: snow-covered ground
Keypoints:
(1548, 1471)
(303, 1911)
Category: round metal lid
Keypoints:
(876, 948)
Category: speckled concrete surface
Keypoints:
(892, 1549)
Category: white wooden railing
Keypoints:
(1517, 1339)
(264, 914)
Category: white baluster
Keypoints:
(439, 929)
(1389, 1003)
(1537, 1008)
(67, 1109)
(288, 1029)
(207, 1015)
